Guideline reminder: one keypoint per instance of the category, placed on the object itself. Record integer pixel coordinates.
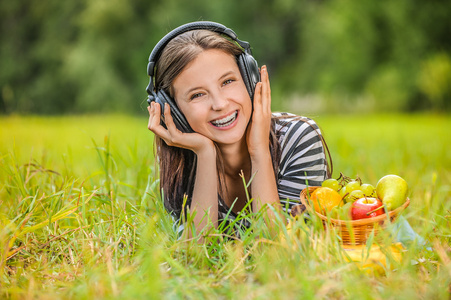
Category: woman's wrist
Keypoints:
(262, 155)
(208, 151)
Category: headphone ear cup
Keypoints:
(249, 71)
(179, 119)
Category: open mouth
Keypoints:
(227, 121)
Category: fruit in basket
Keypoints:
(392, 190)
(368, 190)
(342, 192)
(364, 208)
(340, 212)
(324, 199)
(331, 183)
(352, 186)
(354, 195)
(343, 212)
(335, 212)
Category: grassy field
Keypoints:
(81, 218)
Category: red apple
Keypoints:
(364, 208)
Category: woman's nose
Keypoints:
(218, 101)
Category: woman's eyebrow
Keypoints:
(188, 92)
(226, 74)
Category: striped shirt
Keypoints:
(302, 163)
(303, 160)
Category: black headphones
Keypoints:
(246, 63)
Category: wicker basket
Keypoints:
(354, 232)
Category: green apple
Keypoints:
(334, 212)
(392, 191)
(343, 212)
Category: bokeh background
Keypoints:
(328, 56)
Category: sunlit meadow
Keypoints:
(81, 217)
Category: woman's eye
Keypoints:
(197, 95)
(228, 81)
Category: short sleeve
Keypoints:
(303, 160)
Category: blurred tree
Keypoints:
(34, 37)
(370, 48)
(434, 80)
(90, 56)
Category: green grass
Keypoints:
(80, 217)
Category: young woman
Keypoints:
(234, 136)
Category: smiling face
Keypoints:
(211, 94)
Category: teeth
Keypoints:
(225, 121)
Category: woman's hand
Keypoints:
(259, 127)
(172, 136)
(263, 186)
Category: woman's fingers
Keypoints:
(258, 96)
(155, 123)
(169, 121)
(171, 135)
(266, 90)
(260, 125)
(262, 96)
(152, 116)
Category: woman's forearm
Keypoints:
(204, 203)
(264, 185)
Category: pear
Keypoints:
(392, 191)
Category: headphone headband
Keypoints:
(205, 25)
